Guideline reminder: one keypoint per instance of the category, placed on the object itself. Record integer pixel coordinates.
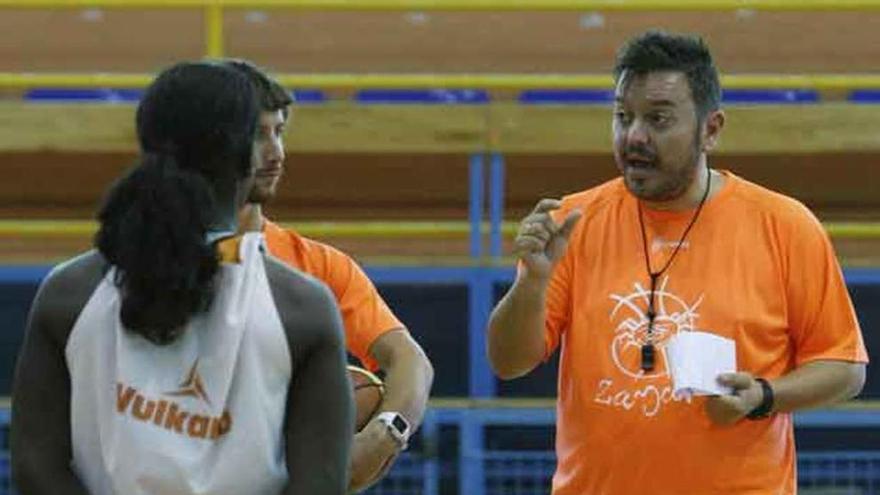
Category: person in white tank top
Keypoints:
(177, 358)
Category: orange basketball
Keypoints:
(368, 391)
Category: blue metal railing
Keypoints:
(478, 469)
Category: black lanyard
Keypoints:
(648, 354)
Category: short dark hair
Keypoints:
(270, 93)
(655, 51)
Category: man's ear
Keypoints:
(712, 127)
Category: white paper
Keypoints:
(695, 361)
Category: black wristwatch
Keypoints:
(766, 406)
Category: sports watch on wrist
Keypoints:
(763, 409)
(397, 425)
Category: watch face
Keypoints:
(399, 424)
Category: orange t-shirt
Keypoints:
(757, 267)
(364, 314)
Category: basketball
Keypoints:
(368, 391)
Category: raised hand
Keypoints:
(540, 242)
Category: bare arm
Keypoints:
(320, 409)
(516, 327)
(408, 379)
(40, 437)
(816, 383)
(408, 374)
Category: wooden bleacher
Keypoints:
(356, 162)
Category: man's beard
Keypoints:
(260, 195)
(673, 187)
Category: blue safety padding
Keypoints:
(308, 96)
(769, 96)
(113, 95)
(566, 96)
(460, 96)
(731, 96)
(436, 96)
(871, 96)
(129, 94)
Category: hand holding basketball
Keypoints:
(373, 450)
(368, 392)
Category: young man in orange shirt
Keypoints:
(373, 334)
(610, 274)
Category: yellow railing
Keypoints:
(214, 42)
(359, 229)
(451, 81)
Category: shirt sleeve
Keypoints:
(558, 301)
(365, 315)
(822, 320)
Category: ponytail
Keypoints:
(154, 222)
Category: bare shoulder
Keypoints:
(66, 290)
(306, 306)
(296, 288)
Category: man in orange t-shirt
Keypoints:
(610, 274)
(372, 333)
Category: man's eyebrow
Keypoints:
(618, 100)
(662, 103)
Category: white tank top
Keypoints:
(202, 415)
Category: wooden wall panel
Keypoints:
(548, 42)
(345, 127)
(837, 185)
(143, 40)
(94, 40)
(429, 186)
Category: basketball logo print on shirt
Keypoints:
(630, 320)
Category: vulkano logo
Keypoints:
(170, 414)
(192, 386)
